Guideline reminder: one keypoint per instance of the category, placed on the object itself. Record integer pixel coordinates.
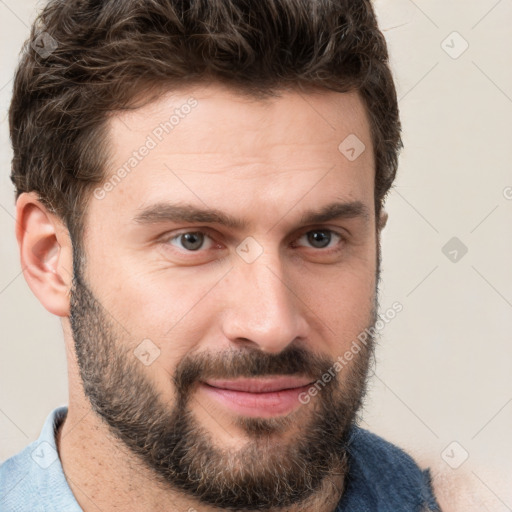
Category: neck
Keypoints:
(104, 475)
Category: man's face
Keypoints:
(226, 269)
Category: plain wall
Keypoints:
(444, 363)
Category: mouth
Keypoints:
(257, 397)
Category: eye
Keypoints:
(320, 239)
(191, 241)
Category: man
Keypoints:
(200, 192)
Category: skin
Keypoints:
(266, 163)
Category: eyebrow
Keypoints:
(167, 212)
(337, 211)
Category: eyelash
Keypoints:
(342, 239)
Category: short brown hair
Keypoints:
(100, 54)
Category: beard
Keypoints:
(271, 470)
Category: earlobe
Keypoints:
(383, 220)
(45, 253)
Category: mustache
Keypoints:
(249, 362)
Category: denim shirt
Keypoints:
(381, 478)
(33, 480)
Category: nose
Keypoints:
(263, 309)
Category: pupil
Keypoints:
(192, 241)
(319, 239)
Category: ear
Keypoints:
(383, 220)
(45, 253)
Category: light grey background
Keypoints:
(444, 363)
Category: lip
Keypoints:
(260, 397)
(260, 385)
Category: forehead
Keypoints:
(211, 145)
(335, 110)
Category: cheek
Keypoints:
(340, 300)
(173, 308)
(345, 303)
